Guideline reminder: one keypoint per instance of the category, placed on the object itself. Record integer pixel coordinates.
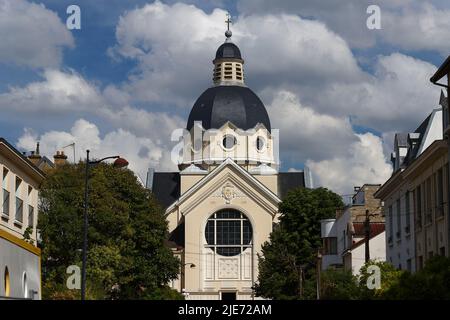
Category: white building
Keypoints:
(344, 237)
(20, 258)
(415, 196)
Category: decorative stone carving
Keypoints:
(228, 192)
(228, 268)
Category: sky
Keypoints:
(337, 90)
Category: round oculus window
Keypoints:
(229, 141)
(260, 143)
(228, 232)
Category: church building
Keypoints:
(223, 203)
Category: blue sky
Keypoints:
(335, 89)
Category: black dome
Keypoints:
(239, 105)
(228, 50)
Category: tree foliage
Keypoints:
(430, 283)
(288, 261)
(339, 284)
(127, 258)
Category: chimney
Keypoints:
(59, 159)
(34, 156)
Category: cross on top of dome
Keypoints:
(228, 33)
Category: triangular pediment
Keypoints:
(229, 182)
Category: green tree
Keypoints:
(288, 261)
(339, 284)
(430, 283)
(127, 258)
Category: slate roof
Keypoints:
(288, 181)
(237, 104)
(166, 187)
(228, 50)
(421, 130)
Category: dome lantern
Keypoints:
(228, 64)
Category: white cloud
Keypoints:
(58, 92)
(288, 60)
(396, 98)
(306, 134)
(419, 27)
(141, 152)
(68, 95)
(364, 163)
(406, 24)
(175, 58)
(338, 157)
(282, 52)
(31, 35)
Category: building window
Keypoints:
(18, 183)
(409, 265)
(440, 193)
(6, 282)
(399, 219)
(407, 213)
(229, 141)
(5, 176)
(330, 246)
(260, 143)
(442, 251)
(5, 205)
(228, 232)
(429, 208)
(419, 263)
(30, 217)
(391, 224)
(419, 206)
(19, 210)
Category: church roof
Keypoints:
(288, 181)
(166, 187)
(228, 50)
(237, 104)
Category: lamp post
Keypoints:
(119, 163)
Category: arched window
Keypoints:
(6, 283)
(228, 232)
(25, 285)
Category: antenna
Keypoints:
(73, 147)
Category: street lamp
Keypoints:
(118, 163)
